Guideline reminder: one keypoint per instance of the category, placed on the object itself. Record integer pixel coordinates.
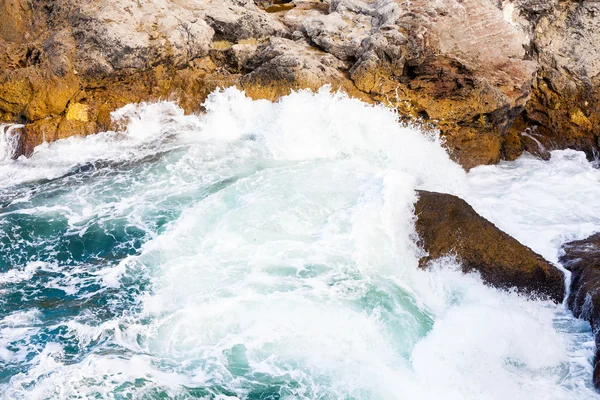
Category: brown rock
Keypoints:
(44, 130)
(447, 225)
(582, 258)
(522, 138)
(566, 93)
(15, 95)
(16, 20)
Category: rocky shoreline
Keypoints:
(495, 77)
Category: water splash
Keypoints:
(263, 250)
(596, 158)
(543, 204)
(531, 133)
(9, 140)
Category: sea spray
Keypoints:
(544, 204)
(263, 250)
(9, 140)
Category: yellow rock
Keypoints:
(222, 45)
(15, 94)
(50, 96)
(250, 40)
(77, 112)
(579, 119)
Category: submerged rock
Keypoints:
(582, 258)
(448, 225)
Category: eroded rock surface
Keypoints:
(582, 258)
(563, 109)
(495, 77)
(282, 64)
(448, 225)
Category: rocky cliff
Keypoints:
(495, 77)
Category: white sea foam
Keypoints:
(15, 327)
(16, 275)
(543, 204)
(293, 272)
(9, 140)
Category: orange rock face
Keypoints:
(563, 109)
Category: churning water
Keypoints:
(267, 250)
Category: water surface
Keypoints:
(267, 251)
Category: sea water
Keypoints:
(267, 251)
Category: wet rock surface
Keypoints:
(495, 77)
(448, 226)
(582, 258)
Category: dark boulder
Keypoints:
(582, 258)
(448, 225)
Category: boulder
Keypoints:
(448, 225)
(582, 258)
(241, 19)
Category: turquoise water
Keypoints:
(267, 251)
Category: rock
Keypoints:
(582, 258)
(17, 22)
(447, 225)
(339, 33)
(241, 54)
(467, 68)
(282, 65)
(233, 20)
(564, 37)
(459, 65)
(66, 64)
(137, 34)
(304, 9)
(567, 90)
